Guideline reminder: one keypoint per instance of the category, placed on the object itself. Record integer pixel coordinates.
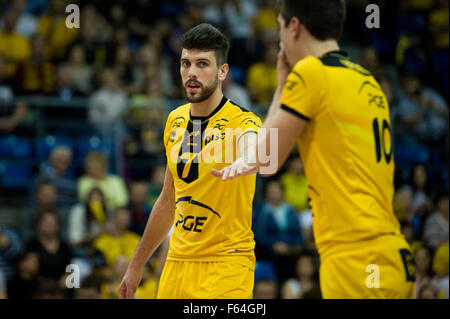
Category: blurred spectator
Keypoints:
(266, 18)
(49, 289)
(119, 240)
(403, 204)
(440, 260)
(14, 48)
(441, 268)
(26, 24)
(56, 173)
(11, 114)
(439, 24)
(156, 183)
(408, 231)
(238, 16)
(88, 219)
(90, 288)
(139, 206)
(107, 107)
(423, 113)
(112, 186)
(236, 93)
(110, 288)
(427, 292)
(295, 184)
(3, 286)
(36, 75)
(52, 26)
(80, 70)
(265, 289)
(421, 204)
(24, 283)
(10, 247)
(424, 277)
(65, 87)
(262, 78)
(54, 253)
(436, 225)
(369, 60)
(277, 231)
(45, 197)
(307, 278)
(123, 68)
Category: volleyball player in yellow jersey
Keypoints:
(337, 113)
(211, 251)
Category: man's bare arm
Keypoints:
(158, 225)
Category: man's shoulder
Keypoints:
(180, 113)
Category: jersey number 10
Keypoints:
(382, 135)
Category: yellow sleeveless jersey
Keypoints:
(345, 148)
(213, 217)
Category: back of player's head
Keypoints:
(206, 37)
(324, 19)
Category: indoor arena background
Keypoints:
(84, 104)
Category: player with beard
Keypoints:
(211, 253)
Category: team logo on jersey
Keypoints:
(177, 122)
(220, 124)
(250, 120)
(191, 223)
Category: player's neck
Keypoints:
(206, 107)
(318, 48)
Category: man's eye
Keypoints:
(203, 64)
(185, 64)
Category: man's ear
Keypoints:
(223, 71)
(295, 27)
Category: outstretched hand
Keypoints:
(239, 168)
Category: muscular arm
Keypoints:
(158, 225)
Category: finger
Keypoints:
(232, 172)
(122, 291)
(226, 171)
(130, 293)
(216, 172)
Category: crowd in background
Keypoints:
(90, 207)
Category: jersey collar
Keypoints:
(339, 53)
(205, 118)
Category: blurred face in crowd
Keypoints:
(428, 293)
(48, 225)
(95, 166)
(420, 177)
(96, 196)
(443, 206)
(305, 267)
(265, 289)
(109, 80)
(139, 192)
(200, 74)
(122, 220)
(77, 56)
(61, 159)
(412, 86)
(296, 166)
(46, 195)
(274, 193)
(423, 260)
(158, 176)
(386, 86)
(369, 59)
(29, 265)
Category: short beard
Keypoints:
(205, 94)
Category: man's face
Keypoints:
(199, 73)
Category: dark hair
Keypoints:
(207, 38)
(324, 19)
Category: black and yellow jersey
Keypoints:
(345, 148)
(213, 217)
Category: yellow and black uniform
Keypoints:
(347, 154)
(211, 252)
